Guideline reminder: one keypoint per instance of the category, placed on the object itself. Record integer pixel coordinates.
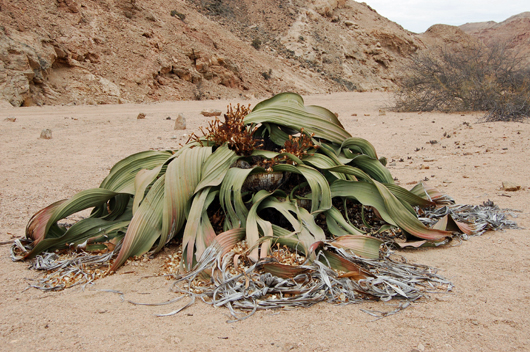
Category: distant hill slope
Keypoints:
(515, 32)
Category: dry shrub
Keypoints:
(473, 77)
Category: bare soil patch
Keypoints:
(487, 310)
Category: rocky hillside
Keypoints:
(514, 32)
(116, 51)
(110, 51)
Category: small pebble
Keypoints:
(46, 134)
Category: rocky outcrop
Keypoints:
(98, 52)
(23, 68)
(514, 32)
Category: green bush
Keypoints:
(474, 77)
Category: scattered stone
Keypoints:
(428, 160)
(10, 119)
(211, 112)
(180, 122)
(510, 186)
(354, 114)
(382, 112)
(168, 118)
(46, 134)
(140, 116)
(351, 24)
(366, 114)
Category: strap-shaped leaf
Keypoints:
(121, 176)
(287, 109)
(323, 162)
(80, 232)
(338, 226)
(305, 227)
(409, 197)
(365, 193)
(228, 239)
(216, 166)
(277, 134)
(254, 221)
(41, 223)
(146, 225)
(144, 178)
(361, 245)
(183, 174)
(360, 144)
(320, 191)
(198, 232)
(231, 198)
(407, 221)
(373, 167)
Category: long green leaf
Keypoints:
(338, 226)
(121, 176)
(323, 162)
(145, 227)
(144, 178)
(409, 197)
(361, 245)
(183, 174)
(373, 167)
(231, 198)
(41, 223)
(303, 223)
(198, 232)
(254, 221)
(406, 220)
(360, 145)
(80, 232)
(320, 191)
(364, 192)
(216, 166)
(287, 109)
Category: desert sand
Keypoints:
(488, 309)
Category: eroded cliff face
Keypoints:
(115, 51)
(344, 42)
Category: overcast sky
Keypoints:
(418, 15)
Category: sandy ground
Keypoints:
(488, 310)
